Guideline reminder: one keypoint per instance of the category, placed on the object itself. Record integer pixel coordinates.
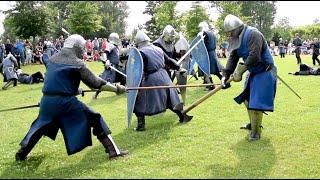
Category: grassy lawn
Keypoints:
(210, 146)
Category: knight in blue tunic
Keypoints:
(151, 102)
(60, 108)
(166, 43)
(259, 91)
(113, 59)
(210, 41)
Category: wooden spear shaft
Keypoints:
(166, 87)
(203, 98)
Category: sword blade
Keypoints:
(288, 86)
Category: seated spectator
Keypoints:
(96, 55)
(37, 56)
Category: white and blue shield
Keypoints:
(134, 76)
(200, 55)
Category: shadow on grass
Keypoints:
(256, 160)
(158, 129)
(22, 169)
(102, 100)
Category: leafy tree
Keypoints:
(192, 19)
(150, 25)
(225, 8)
(165, 14)
(261, 14)
(28, 18)
(8, 30)
(59, 12)
(84, 18)
(282, 30)
(113, 15)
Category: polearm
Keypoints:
(288, 86)
(23, 107)
(166, 87)
(206, 96)
(152, 87)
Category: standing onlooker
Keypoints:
(8, 47)
(89, 48)
(20, 47)
(285, 46)
(282, 51)
(28, 55)
(297, 43)
(315, 53)
(95, 44)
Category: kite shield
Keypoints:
(134, 76)
(200, 55)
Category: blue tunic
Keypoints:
(108, 75)
(210, 42)
(151, 102)
(260, 86)
(60, 109)
(114, 55)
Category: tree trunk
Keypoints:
(33, 42)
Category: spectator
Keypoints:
(315, 51)
(297, 43)
(281, 48)
(37, 56)
(8, 47)
(20, 47)
(95, 44)
(96, 55)
(28, 55)
(89, 48)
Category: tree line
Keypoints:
(43, 19)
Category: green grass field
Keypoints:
(209, 146)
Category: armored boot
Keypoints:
(247, 126)
(183, 118)
(95, 96)
(141, 124)
(112, 148)
(209, 80)
(255, 133)
(5, 86)
(24, 150)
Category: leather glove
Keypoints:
(107, 64)
(80, 91)
(182, 70)
(225, 77)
